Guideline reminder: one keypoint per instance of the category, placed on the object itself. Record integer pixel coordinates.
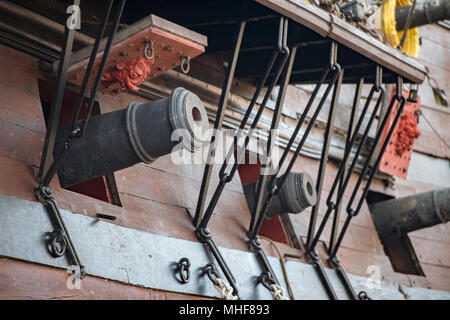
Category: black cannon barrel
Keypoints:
(397, 217)
(140, 133)
(424, 13)
(297, 194)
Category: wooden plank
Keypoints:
(142, 259)
(428, 142)
(321, 21)
(435, 54)
(436, 277)
(431, 251)
(360, 263)
(20, 143)
(436, 33)
(28, 281)
(148, 183)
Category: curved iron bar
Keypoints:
(218, 122)
(227, 177)
(401, 100)
(274, 187)
(377, 87)
(350, 131)
(43, 192)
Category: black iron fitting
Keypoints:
(183, 269)
(59, 242)
(212, 273)
(266, 279)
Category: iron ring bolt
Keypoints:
(332, 205)
(57, 238)
(149, 45)
(362, 295)
(185, 64)
(225, 178)
(183, 267)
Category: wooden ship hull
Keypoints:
(123, 230)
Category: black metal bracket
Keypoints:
(344, 172)
(60, 242)
(204, 236)
(276, 64)
(183, 270)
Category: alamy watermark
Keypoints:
(74, 20)
(374, 280)
(229, 147)
(74, 280)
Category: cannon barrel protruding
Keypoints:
(424, 13)
(396, 217)
(140, 133)
(297, 193)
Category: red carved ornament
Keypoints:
(129, 75)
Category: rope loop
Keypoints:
(275, 289)
(226, 291)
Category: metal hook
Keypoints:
(399, 88)
(211, 272)
(362, 295)
(149, 45)
(185, 64)
(378, 78)
(266, 279)
(333, 55)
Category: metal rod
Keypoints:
(407, 24)
(324, 155)
(98, 79)
(91, 63)
(350, 132)
(218, 122)
(337, 71)
(271, 141)
(79, 133)
(331, 205)
(346, 281)
(275, 187)
(204, 236)
(56, 106)
(353, 212)
(225, 178)
(317, 264)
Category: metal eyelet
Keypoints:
(185, 64)
(57, 250)
(149, 45)
(183, 268)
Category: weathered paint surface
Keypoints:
(143, 259)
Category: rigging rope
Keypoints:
(277, 292)
(283, 266)
(226, 291)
